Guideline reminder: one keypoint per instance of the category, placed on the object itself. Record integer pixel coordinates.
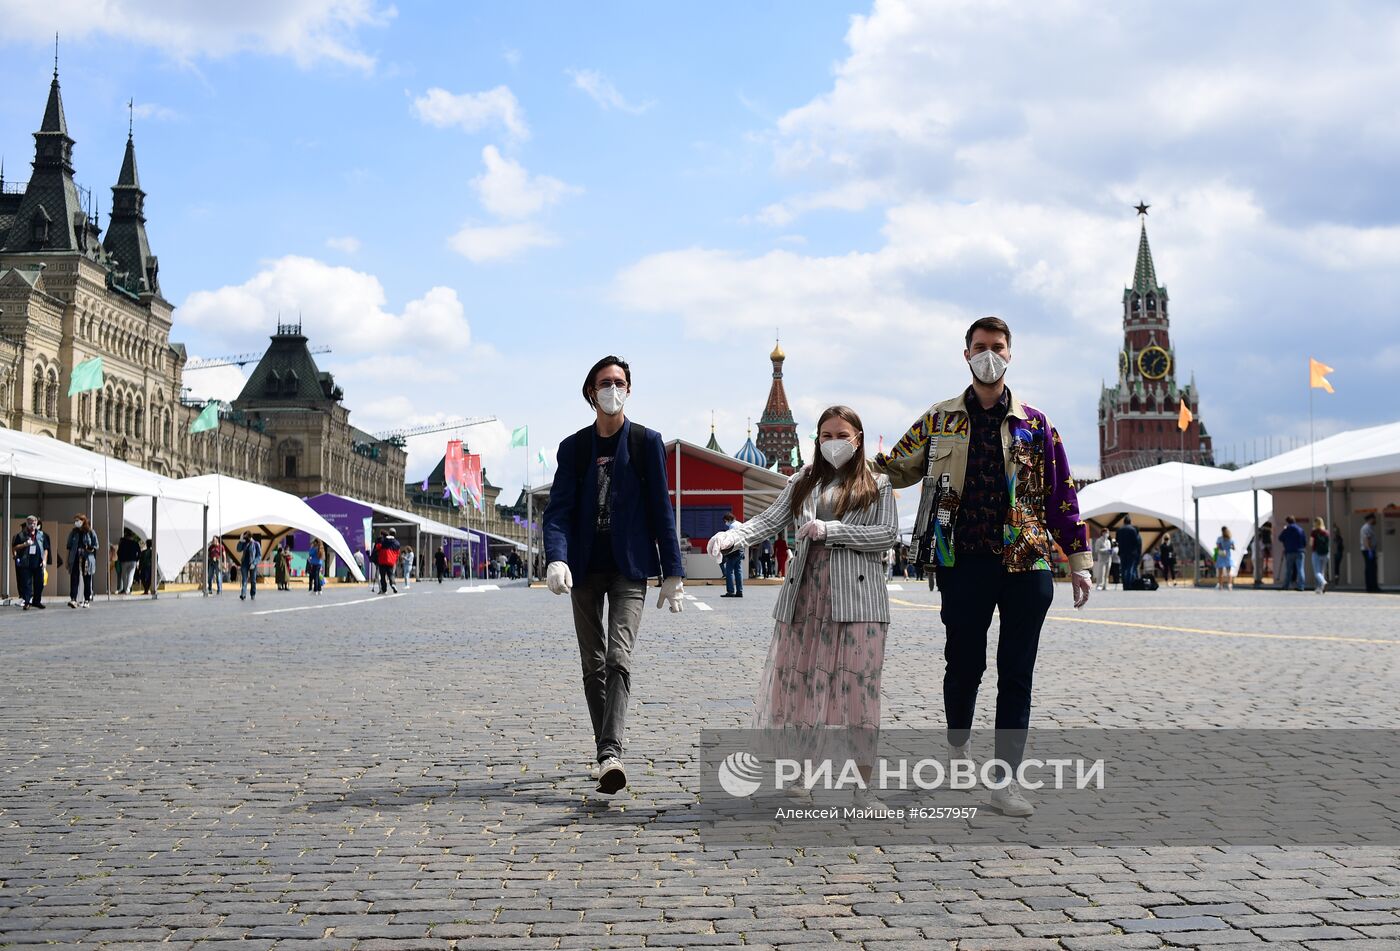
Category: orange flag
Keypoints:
(1317, 375)
(1184, 418)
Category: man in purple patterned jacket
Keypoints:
(998, 497)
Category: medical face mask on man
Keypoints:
(988, 366)
(611, 398)
(838, 452)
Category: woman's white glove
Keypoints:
(1082, 581)
(672, 590)
(558, 578)
(722, 542)
(815, 530)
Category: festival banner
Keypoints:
(453, 470)
(472, 480)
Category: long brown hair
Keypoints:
(856, 489)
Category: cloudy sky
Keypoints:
(470, 203)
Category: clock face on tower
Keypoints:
(1123, 361)
(1154, 362)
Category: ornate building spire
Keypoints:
(126, 229)
(777, 429)
(713, 444)
(1144, 274)
(51, 215)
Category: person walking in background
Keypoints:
(1115, 563)
(146, 566)
(128, 558)
(217, 556)
(1370, 553)
(733, 565)
(1103, 559)
(1295, 544)
(1338, 551)
(440, 563)
(249, 556)
(1166, 558)
(315, 563)
(608, 527)
(409, 557)
(281, 565)
(828, 649)
(1321, 545)
(82, 561)
(1000, 498)
(1266, 545)
(1129, 552)
(385, 557)
(1225, 560)
(781, 554)
(30, 548)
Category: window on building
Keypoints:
(273, 383)
(289, 383)
(289, 467)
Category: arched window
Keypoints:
(51, 395)
(37, 403)
(140, 420)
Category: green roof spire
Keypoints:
(1144, 275)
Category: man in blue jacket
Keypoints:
(1295, 543)
(608, 527)
(1129, 552)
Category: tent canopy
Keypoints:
(233, 504)
(1355, 454)
(1160, 498)
(427, 525)
(49, 461)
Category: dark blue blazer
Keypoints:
(643, 524)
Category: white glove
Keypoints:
(722, 542)
(815, 530)
(672, 590)
(1083, 581)
(558, 578)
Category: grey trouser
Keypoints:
(607, 659)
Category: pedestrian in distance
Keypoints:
(440, 563)
(282, 565)
(1115, 563)
(128, 559)
(146, 566)
(1321, 546)
(998, 497)
(249, 556)
(1338, 551)
(1129, 552)
(409, 558)
(217, 558)
(732, 566)
(1295, 544)
(30, 549)
(1166, 558)
(82, 561)
(386, 557)
(828, 649)
(608, 527)
(1103, 559)
(1370, 553)
(1225, 560)
(315, 564)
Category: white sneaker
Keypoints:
(72, 604)
(865, 799)
(595, 770)
(1010, 801)
(960, 752)
(797, 791)
(612, 778)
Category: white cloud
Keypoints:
(604, 93)
(307, 31)
(473, 111)
(338, 306)
(346, 244)
(215, 383)
(483, 244)
(508, 191)
(151, 110)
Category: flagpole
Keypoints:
(529, 516)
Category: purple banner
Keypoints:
(345, 516)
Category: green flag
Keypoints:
(794, 459)
(86, 376)
(207, 419)
(520, 437)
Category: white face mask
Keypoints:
(77, 524)
(838, 452)
(610, 400)
(988, 366)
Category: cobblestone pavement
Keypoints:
(410, 772)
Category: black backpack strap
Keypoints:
(636, 445)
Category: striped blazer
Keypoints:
(858, 543)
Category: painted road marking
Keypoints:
(472, 589)
(333, 604)
(1188, 630)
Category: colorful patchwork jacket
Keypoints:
(1042, 501)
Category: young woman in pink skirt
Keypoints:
(828, 648)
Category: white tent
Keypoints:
(1160, 498)
(48, 461)
(1356, 454)
(233, 504)
(427, 526)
